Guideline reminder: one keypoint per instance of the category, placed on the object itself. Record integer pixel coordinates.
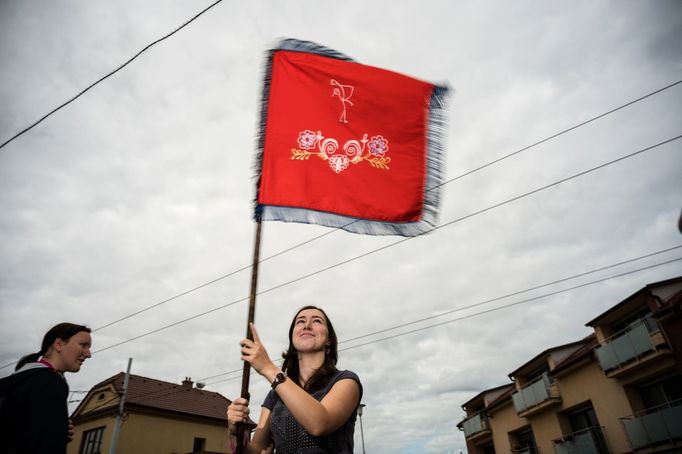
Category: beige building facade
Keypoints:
(158, 418)
(618, 390)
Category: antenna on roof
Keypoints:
(119, 415)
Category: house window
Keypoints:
(661, 392)
(199, 445)
(523, 441)
(92, 441)
(488, 449)
(583, 418)
(585, 426)
(537, 373)
(633, 320)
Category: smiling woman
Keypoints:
(33, 408)
(312, 406)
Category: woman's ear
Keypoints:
(58, 344)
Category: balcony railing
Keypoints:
(655, 425)
(534, 393)
(587, 441)
(525, 450)
(627, 345)
(475, 425)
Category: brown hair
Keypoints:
(62, 331)
(321, 377)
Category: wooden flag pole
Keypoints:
(252, 312)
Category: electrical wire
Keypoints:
(44, 117)
(300, 278)
(517, 303)
(36, 123)
(352, 259)
(211, 282)
(667, 262)
(315, 238)
(178, 389)
(498, 298)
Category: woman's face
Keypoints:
(73, 352)
(310, 332)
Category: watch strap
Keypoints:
(279, 378)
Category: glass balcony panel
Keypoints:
(540, 391)
(533, 394)
(473, 425)
(655, 426)
(519, 403)
(529, 396)
(587, 442)
(580, 444)
(606, 356)
(673, 421)
(625, 347)
(659, 426)
(641, 339)
(636, 433)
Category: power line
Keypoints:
(508, 295)
(515, 303)
(100, 405)
(44, 117)
(336, 265)
(405, 333)
(488, 301)
(560, 133)
(165, 393)
(211, 282)
(553, 136)
(585, 172)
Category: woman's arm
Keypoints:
(238, 412)
(323, 417)
(317, 417)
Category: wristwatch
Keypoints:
(279, 378)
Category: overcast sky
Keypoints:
(142, 189)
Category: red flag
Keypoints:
(348, 145)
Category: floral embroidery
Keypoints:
(338, 162)
(378, 146)
(307, 139)
(354, 151)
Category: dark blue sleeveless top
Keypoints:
(291, 438)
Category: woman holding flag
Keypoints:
(312, 405)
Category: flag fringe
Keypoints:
(435, 162)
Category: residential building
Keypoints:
(159, 418)
(618, 390)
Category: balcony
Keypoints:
(476, 426)
(629, 347)
(536, 396)
(654, 426)
(587, 441)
